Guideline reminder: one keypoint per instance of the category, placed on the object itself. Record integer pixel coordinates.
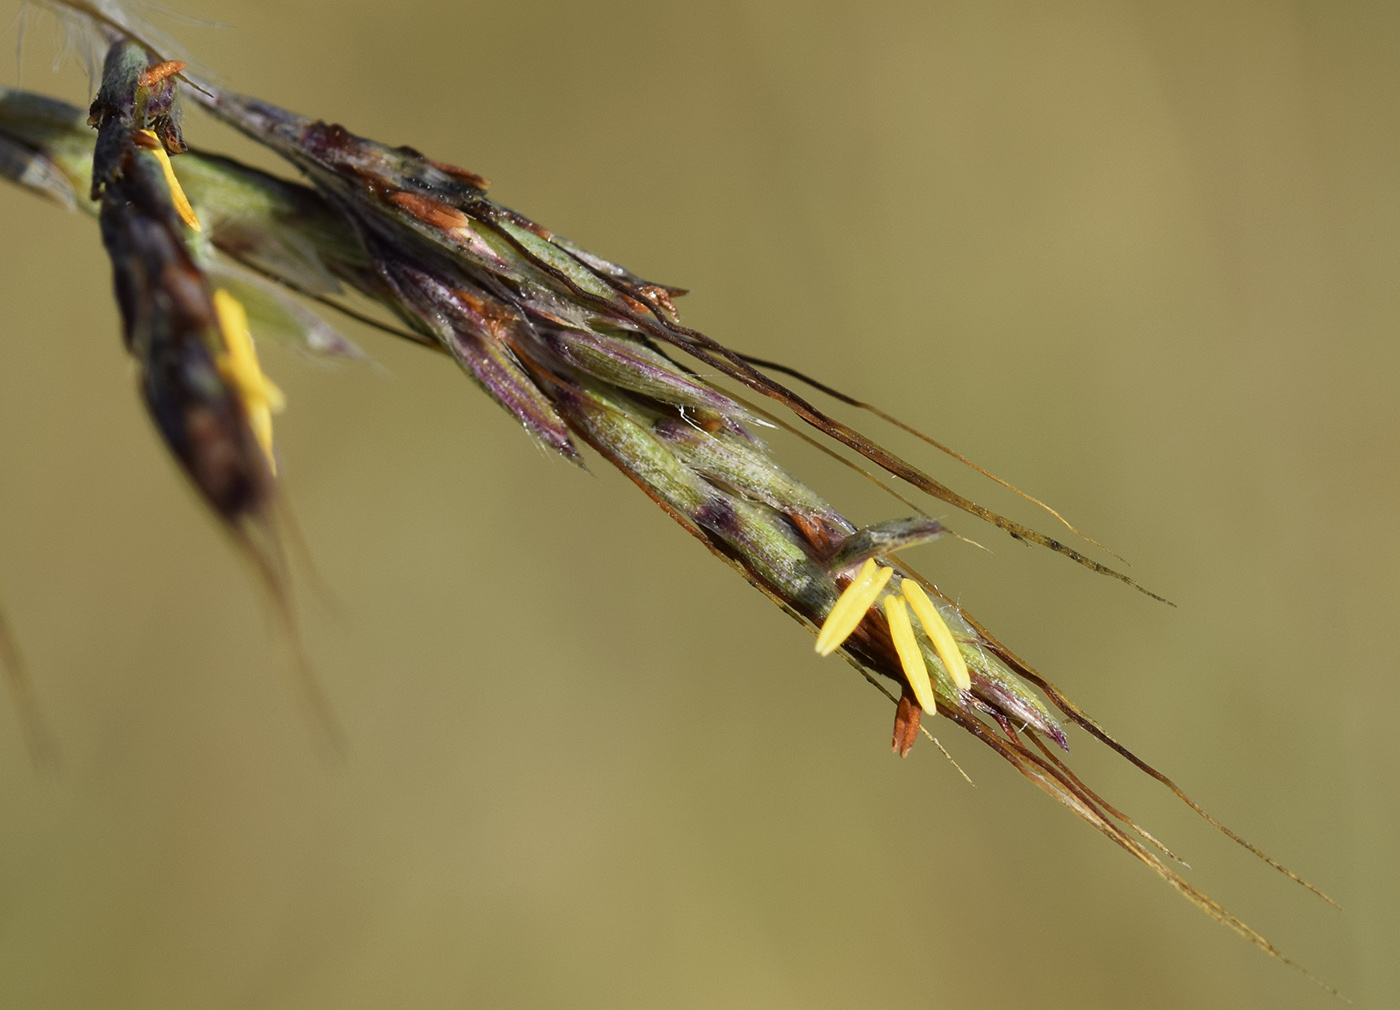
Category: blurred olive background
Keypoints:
(1139, 258)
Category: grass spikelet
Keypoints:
(197, 369)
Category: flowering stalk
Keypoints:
(576, 348)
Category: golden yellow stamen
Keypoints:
(850, 608)
(911, 657)
(239, 365)
(939, 634)
(149, 140)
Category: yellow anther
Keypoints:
(151, 142)
(850, 608)
(939, 634)
(911, 657)
(239, 365)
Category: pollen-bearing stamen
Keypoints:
(938, 633)
(861, 595)
(849, 610)
(911, 657)
(147, 140)
(239, 365)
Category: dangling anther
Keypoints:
(239, 365)
(911, 657)
(906, 724)
(148, 140)
(938, 633)
(849, 610)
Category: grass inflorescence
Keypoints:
(208, 253)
